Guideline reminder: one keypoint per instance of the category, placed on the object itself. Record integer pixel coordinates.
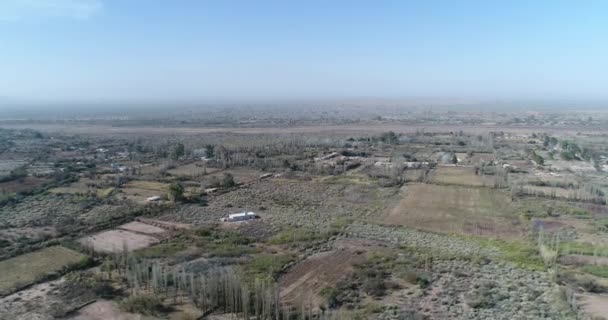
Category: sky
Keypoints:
(96, 50)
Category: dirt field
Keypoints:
(139, 227)
(458, 175)
(195, 169)
(594, 305)
(455, 209)
(141, 190)
(241, 175)
(304, 281)
(115, 240)
(557, 192)
(25, 269)
(104, 309)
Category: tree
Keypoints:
(228, 181)
(209, 151)
(454, 159)
(176, 192)
(178, 151)
(389, 137)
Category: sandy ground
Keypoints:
(29, 304)
(594, 305)
(305, 280)
(113, 241)
(142, 228)
(105, 310)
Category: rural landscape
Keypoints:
(303, 160)
(415, 215)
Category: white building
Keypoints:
(240, 217)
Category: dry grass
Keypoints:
(458, 175)
(195, 169)
(116, 240)
(26, 269)
(456, 209)
(139, 190)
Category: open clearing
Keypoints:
(194, 169)
(23, 270)
(455, 209)
(464, 176)
(241, 175)
(304, 281)
(594, 305)
(139, 190)
(140, 227)
(116, 240)
(104, 309)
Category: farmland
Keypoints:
(458, 210)
(23, 270)
(355, 221)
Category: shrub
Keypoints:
(143, 304)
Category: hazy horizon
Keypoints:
(109, 51)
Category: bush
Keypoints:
(143, 304)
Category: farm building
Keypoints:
(240, 217)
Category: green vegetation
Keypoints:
(176, 192)
(216, 242)
(267, 266)
(162, 250)
(294, 235)
(35, 266)
(143, 304)
(600, 271)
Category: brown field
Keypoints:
(115, 240)
(241, 175)
(22, 185)
(105, 309)
(456, 209)
(304, 281)
(168, 225)
(25, 269)
(139, 190)
(459, 175)
(557, 192)
(413, 175)
(594, 305)
(139, 227)
(84, 186)
(194, 169)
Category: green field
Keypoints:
(26, 269)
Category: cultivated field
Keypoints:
(456, 209)
(458, 175)
(25, 269)
(139, 190)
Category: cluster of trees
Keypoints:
(216, 290)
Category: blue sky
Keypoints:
(197, 49)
